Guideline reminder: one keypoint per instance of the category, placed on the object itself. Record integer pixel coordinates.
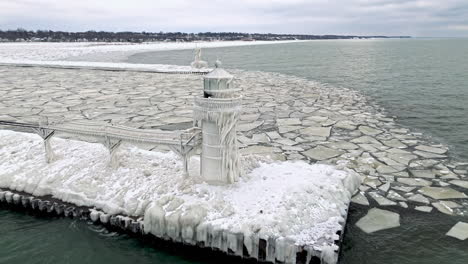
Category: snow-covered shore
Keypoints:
(105, 56)
(64, 51)
(298, 203)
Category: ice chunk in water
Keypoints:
(360, 199)
(426, 209)
(378, 219)
(460, 231)
(442, 193)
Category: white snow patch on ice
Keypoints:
(302, 203)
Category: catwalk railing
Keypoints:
(182, 142)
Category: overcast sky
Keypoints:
(357, 17)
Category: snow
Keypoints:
(66, 51)
(300, 203)
(163, 68)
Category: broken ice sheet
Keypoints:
(441, 193)
(360, 199)
(426, 209)
(382, 201)
(378, 219)
(460, 231)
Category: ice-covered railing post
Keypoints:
(217, 112)
(46, 134)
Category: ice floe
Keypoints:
(460, 231)
(322, 153)
(378, 219)
(426, 209)
(442, 193)
(460, 183)
(359, 198)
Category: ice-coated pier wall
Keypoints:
(262, 249)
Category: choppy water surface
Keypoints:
(420, 239)
(26, 238)
(424, 82)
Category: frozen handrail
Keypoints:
(182, 142)
(97, 129)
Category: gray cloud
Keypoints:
(361, 17)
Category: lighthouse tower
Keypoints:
(217, 112)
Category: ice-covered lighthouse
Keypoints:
(217, 112)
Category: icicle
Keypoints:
(94, 215)
(16, 198)
(251, 243)
(189, 221)
(285, 250)
(104, 218)
(234, 243)
(270, 254)
(216, 238)
(248, 244)
(280, 249)
(173, 225)
(290, 253)
(225, 115)
(328, 254)
(154, 220)
(202, 233)
(9, 197)
(309, 251)
(224, 241)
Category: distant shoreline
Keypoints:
(25, 52)
(22, 35)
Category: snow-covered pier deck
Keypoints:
(284, 119)
(107, 66)
(262, 216)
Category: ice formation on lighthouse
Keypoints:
(225, 118)
(217, 112)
